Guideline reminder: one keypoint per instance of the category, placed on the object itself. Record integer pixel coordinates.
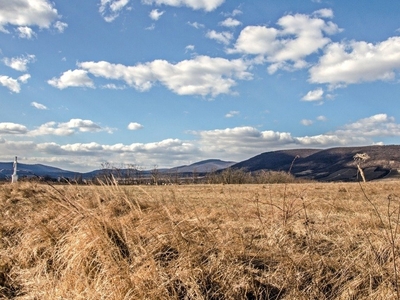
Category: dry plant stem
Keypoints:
(361, 172)
(392, 240)
(390, 236)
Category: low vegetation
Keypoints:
(204, 241)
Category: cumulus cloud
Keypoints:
(315, 95)
(13, 84)
(110, 9)
(236, 143)
(25, 32)
(12, 128)
(67, 128)
(376, 125)
(155, 14)
(24, 14)
(354, 62)
(297, 37)
(10, 83)
(19, 63)
(206, 5)
(224, 37)
(72, 78)
(38, 106)
(230, 22)
(241, 141)
(24, 78)
(135, 126)
(201, 75)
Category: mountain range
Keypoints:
(333, 164)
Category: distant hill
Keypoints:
(203, 166)
(6, 170)
(334, 164)
(26, 170)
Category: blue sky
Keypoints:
(173, 82)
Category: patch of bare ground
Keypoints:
(277, 241)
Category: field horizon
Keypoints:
(260, 241)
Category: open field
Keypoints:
(275, 241)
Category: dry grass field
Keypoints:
(275, 241)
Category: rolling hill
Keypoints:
(334, 164)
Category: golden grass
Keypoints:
(294, 241)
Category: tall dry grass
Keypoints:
(293, 241)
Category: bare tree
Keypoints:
(360, 158)
(155, 175)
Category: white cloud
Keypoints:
(315, 95)
(201, 75)
(224, 37)
(67, 128)
(376, 125)
(306, 122)
(155, 14)
(10, 83)
(232, 113)
(236, 12)
(25, 32)
(241, 142)
(60, 26)
(26, 13)
(207, 5)
(229, 22)
(189, 48)
(151, 27)
(257, 40)
(135, 126)
(324, 13)
(12, 128)
(299, 36)
(19, 63)
(112, 86)
(81, 149)
(110, 9)
(355, 62)
(322, 118)
(14, 84)
(196, 25)
(236, 143)
(24, 78)
(38, 106)
(75, 78)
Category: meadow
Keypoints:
(205, 241)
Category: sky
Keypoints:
(171, 82)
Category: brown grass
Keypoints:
(293, 241)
